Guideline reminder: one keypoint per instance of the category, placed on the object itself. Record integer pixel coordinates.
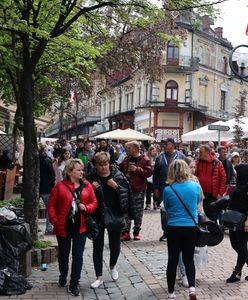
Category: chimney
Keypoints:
(219, 32)
(205, 23)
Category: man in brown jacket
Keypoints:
(137, 168)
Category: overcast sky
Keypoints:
(234, 19)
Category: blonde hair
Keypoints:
(178, 171)
(42, 148)
(70, 165)
(135, 144)
(102, 158)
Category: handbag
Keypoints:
(233, 220)
(112, 220)
(92, 227)
(203, 232)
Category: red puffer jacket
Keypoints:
(211, 172)
(60, 201)
(138, 179)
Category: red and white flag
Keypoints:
(246, 32)
(73, 96)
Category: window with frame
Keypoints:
(172, 53)
(127, 100)
(225, 65)
(223, 100)
(139, 96)
(171, 91)
(131, 100)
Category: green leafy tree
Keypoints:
(40, 36)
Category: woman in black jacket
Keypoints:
(239, 202)
(113, 191)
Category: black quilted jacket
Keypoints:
(123, 191)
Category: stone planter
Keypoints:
(43, 256)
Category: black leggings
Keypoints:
(114, 246)
(180, 238)
(238, 241)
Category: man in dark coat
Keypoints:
(47, 181)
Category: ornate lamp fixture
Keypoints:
(238, 62)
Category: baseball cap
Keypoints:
(171, 140)
(234, 154)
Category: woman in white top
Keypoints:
(59, 164)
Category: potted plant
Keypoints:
(18, 203)
(43, 252)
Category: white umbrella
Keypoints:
(114, 134)
(130, 135)
(125, 135)
(204, 134)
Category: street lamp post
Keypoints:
(240, 61)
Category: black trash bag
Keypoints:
(19, 214)
(14, 242)
(11, 283)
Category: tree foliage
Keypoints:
(41, 37)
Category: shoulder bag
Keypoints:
(92, 227)
(203, 233)
(233, 220)
(112, 220)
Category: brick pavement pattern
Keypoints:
(142, 273)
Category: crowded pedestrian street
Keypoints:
(142, 272)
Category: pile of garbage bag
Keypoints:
(15, 241)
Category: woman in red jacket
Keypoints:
(69, 200)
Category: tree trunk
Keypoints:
(31, 174)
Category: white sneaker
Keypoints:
(171, 296)
(96, 284)
(185, 281)
(114, 273)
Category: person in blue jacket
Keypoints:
(181, 230)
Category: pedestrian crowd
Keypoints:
(114, 184)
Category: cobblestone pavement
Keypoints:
(142, 273)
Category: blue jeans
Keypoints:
(64, 247)
(49, 226)
(181, 265)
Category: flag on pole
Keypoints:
(73, 97)
(246, 32)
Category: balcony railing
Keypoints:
(167, 104)
(184, 61)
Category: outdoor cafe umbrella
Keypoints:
(125, 135)
(114, 134)
(204, 134)
(131, 134)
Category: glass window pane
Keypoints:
(174, 94)
(170, 53)
(172, 84)
(168, 94)
(176, 52)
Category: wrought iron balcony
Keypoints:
(183, 63)
(165, 103)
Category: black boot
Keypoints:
(236, 275)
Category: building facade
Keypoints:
(197, 88)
